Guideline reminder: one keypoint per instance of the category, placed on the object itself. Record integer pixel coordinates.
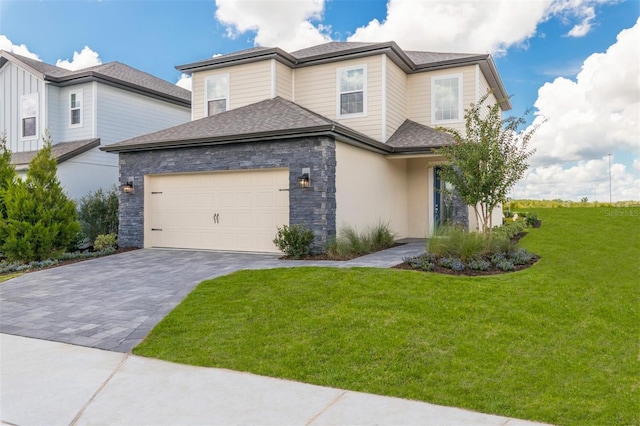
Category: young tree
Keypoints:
(41, 220)
(7, 175)
(488, 160)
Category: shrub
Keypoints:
(40, 218)
(105, 241)
(425, 262)
(98, 213)
(451, 263)
(532, 219)
(455, 241)
(479, 265)
(520, 256)
(294, 241)
(349, 242)
(505, 265)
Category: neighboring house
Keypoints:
(356, 119)
(82, 110)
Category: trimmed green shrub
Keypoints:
(7, 175)
(105, 241)
(41, 220)
(98, 213)
(532, 219)
(294, 241)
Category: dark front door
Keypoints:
(443, 200)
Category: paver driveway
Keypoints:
(111, 302)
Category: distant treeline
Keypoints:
(558, 203)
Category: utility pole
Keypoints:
(609, 178)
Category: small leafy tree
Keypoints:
(488, 160)
(41, 219)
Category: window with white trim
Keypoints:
(29, 111)
(217, 94)
(446, 98)
(75, 108)
(352, 91)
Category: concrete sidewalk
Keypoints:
(50, 383)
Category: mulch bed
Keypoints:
(325, 256)
(469, 272)
(71, 261)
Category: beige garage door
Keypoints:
(219, 211)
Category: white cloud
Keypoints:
(585, 179)
(581, 29)
(85, 59)
(597, 114)
(472, 25)
(184, 82)
(18, 49)
(284, 24)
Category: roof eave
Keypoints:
(91, 76)
(224, 61)
(333, 131)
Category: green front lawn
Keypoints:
(557, 342)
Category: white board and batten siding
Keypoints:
(16, 82)
(229, 210)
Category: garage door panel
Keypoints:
(221, 210)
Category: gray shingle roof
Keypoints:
(409, 61)
(277, 119)
(428, 58)
(114, 72)
(412, 135)
(328, 48)
(61, 152)
(265, 120)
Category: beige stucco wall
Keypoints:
(248, 83)
(316, 89)
(419, 94)
(420, 197)
(370, 189)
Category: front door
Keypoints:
(443, 200)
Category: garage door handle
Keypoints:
(156, 229)
(216, 218)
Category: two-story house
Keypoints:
(340, 133)
(82, 110)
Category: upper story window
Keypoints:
(217, 94)
(75, 108)
(29, 112)
(446, 98)
(352, 91)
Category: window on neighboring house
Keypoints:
(446, 98)
(217, 94)
(352, 91)
(29, 115)
(75, 108)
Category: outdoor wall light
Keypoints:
(303, 180)
(128, 187)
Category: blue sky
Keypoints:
(534, 42)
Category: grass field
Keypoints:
(557, 343)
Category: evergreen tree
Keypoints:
(7, 174)
(41, 220)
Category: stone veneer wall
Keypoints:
(314, 207)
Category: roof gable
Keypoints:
(114, 73)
